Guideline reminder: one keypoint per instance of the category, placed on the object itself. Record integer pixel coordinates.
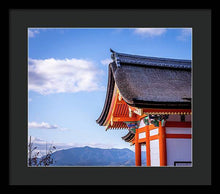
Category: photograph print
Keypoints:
(110, 97)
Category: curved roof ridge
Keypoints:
(123, 58)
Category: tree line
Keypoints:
(34, 158)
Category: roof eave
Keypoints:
(162, 105)
(108, 98)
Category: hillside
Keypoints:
(88, 156)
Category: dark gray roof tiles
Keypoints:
(129, 136)
(153, 84)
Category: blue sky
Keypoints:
(67, 78)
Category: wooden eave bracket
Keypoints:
(138, 111)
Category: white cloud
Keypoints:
(185, 34)
(106, 61)
(32, 32)
(62, 75)
(150, 32)
(42, 125)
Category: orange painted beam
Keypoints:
(125, 119)
(148, 163)
(142, 129)
(152, 127)
(137, 151)
(153, 137)
(162, 145)
(181, 136)
(142, 140)
(140, 117)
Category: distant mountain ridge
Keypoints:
(88, 156)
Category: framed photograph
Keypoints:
(100, 93)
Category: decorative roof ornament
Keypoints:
(146, 120)
(154, 119)
(112, 51)
(132, 126)
(115, 58)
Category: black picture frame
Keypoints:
(198, 19)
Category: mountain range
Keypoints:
(89, 156)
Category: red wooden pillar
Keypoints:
(147, 145)
(137, 150)
(162, 145)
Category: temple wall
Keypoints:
(178, 150)
(173, 130)
(154, 152)
(188, 118)
(178, 118)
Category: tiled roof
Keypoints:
(129, 136)
(149, 82)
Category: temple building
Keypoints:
(151, 97)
